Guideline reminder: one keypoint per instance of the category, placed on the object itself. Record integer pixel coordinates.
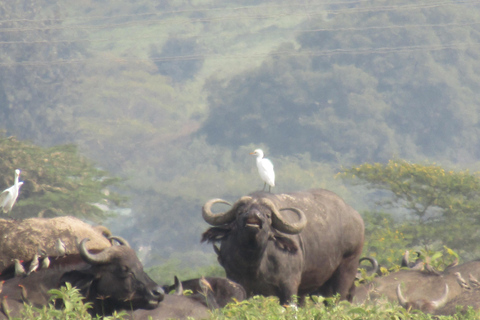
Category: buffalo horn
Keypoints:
(120, 240)
(178, 287)
(401, 298)
(442, 300)
(374, 263)
(223, 217)
(99, 258)
(279, 223)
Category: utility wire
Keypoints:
(359, 51)
(187, 36)
(262, 8)
(184, 20)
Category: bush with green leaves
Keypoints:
(436, 206)
(257, 307)
(73, 307)
(57, 181)
(320, 308)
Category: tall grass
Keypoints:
(258, 307)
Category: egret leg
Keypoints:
(264, 186)
(269, 187)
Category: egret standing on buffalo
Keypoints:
(265, 169)
(9, 196)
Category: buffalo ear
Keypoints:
(215, 234)
(81, 280)
(285, 244)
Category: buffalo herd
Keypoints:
(284, 245)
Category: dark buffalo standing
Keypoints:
(113, 279)
(288, 244)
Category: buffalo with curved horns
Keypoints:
(112, 279)
(224, 290)
(288, 244)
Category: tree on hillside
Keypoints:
(363, 85)
(36, 76)
(442, 205)
(177, 70)
(57, 181)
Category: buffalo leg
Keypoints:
(342, 280)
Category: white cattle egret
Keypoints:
(265, 169)
(9, 196)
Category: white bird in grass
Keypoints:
(265, 169)
(9, 196)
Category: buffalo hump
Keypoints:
(20, 239)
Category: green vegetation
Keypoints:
(73, 307)
(254, 308)
(442, 205)
(57, 181)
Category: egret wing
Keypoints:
(5, 198)
(266, 165)
(265, 169)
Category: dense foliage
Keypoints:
(441, 205)
(363, 83)
(57, 181)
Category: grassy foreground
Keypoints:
(255, 308)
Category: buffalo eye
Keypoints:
(125, 271)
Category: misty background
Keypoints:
(172, 96)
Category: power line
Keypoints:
(359, 51)
(170, 12)
(355, 29)
(301, 13)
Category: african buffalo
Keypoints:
(425, 305)
(374, 269)
(207, 294)
(21, 239)
(468, 298)
(422, 289)
(111, 279)
(269, 252)
(224, 290)
(174, 307)
(416, 285)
